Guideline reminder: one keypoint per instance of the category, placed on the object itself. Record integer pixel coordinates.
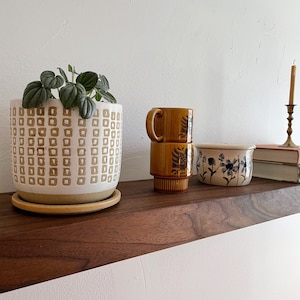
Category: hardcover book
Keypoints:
(276, 171)
(276, 153)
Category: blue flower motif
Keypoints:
(230, 167)
(211, 161)
(244, 165)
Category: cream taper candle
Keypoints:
(292, 87)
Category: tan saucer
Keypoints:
(66, 209)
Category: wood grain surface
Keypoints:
(35, 248)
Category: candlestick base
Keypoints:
(289, 142)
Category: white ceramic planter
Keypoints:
(60, 158)
(225, 165)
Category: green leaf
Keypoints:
(86, 106)
(102, 83)
(50, 81)
(70, 93)
(98, 96)
(63, 74)
(35, 95)
(107, 96)
(88, 80)
(72, 69)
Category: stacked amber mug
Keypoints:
(171, 155)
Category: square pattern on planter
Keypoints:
(46, 150)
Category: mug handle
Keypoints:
(150, 124)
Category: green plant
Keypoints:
(80, 92)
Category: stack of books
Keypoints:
(277, 163)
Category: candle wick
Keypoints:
(294, 61)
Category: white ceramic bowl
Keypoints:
(224, 164)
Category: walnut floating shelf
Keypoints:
(35, 248)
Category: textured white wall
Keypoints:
(229, 60)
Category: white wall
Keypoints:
(229, 60)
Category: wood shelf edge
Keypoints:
(46, 247)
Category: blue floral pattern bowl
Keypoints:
(226, 165)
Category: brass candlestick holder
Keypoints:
(289, 142)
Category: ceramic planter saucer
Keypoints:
(66, 209)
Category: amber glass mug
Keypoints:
(170, 124)
(171, 157)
